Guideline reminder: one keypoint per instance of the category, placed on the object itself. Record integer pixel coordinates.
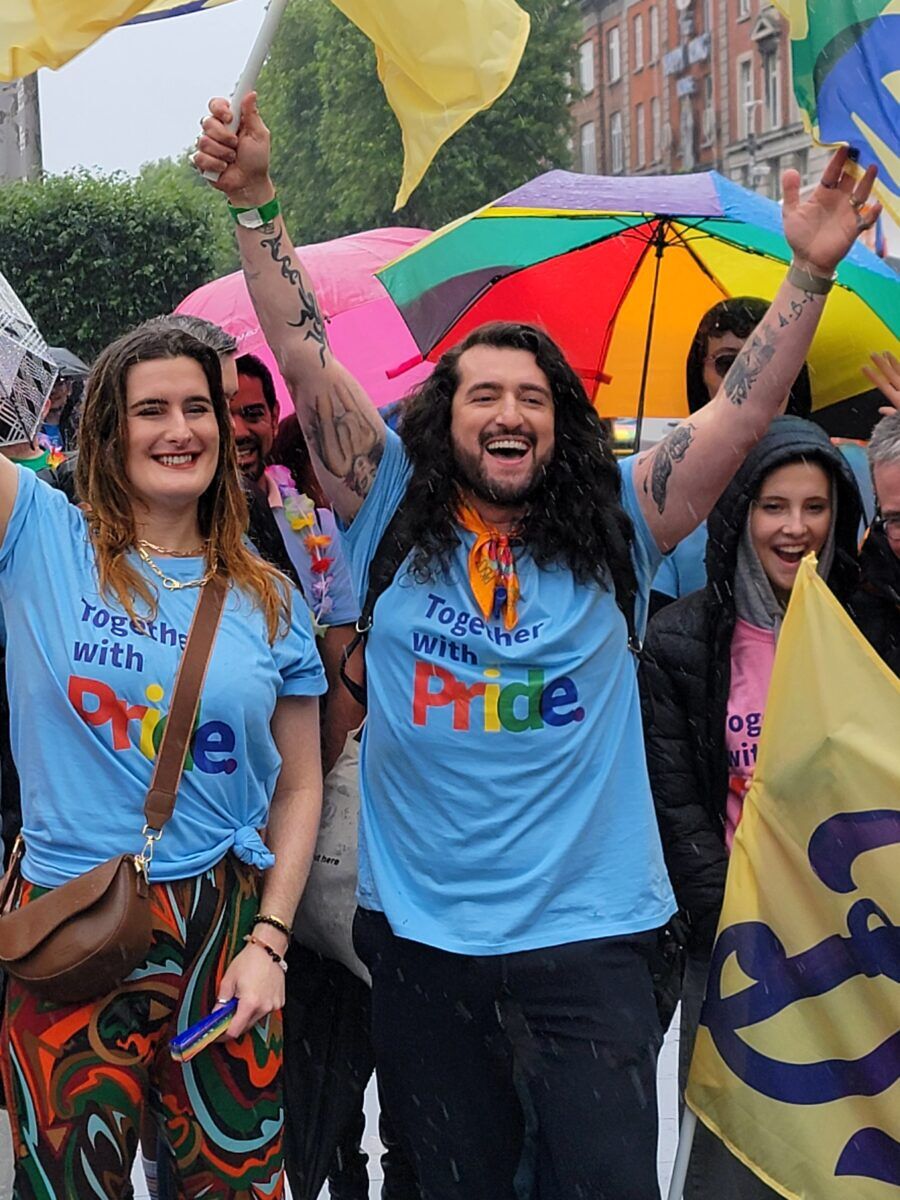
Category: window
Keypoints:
(586, 66)
(743, 9)
(587, 144)
(708, 15)
(746, 104)
(801, 163)
(613, 55)
(637, 42)
(772, 90)
(773, 180)
(709, 113)
(654, 33)
(640, 137)
(616, 144)
(656, 129)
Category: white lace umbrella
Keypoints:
(27, 370)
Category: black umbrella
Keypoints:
(328, 1062)
(70, 365)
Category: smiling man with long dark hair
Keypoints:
(511, 875)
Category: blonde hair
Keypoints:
(103, 486)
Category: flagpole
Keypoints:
(683, 1154)
(257, 56)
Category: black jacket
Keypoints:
(875, 605)
(685, 675)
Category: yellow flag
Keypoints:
(440, 62)
(47, 33)
(797, 1062)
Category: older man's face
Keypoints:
(887, 491)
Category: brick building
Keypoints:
(687, 85)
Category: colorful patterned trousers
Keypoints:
(78, 1076)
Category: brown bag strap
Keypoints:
(160, 802)
(10, 881)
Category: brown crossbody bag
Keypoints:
(80, 940)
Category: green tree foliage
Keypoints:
(92, 257)
(337, 154)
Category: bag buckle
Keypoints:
(143, 860)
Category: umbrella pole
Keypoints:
(659, 241)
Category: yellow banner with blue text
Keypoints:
(797, 1061)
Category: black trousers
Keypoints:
(328, 1060)
(525, 1076)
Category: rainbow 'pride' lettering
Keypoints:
(494, 706)
(97, 704)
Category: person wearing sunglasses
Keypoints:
(875, 606)
(718, 341)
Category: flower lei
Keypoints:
(300, 512)
(55, 456)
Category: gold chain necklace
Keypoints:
(198, 550)
(176, 585)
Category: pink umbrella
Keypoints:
(365, 330)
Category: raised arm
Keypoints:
(679, 481)
(342, 427)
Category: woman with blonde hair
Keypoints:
(98, 602)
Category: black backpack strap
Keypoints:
(386, 562)
(626, 595)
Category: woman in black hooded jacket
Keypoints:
(700, 735)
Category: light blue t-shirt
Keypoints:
(88, 694)
(505, 799)
(684, 570)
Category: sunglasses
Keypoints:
(722, 363)
(251, 414)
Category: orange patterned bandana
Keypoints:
(492, 568)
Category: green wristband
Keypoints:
(255, 218)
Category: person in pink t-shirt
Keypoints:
(704, 681)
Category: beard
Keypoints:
(252, 471)
(470, 471)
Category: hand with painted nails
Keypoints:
(884, 373)
(821, 229)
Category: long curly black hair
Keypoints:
(574, 518)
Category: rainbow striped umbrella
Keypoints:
(619, 270)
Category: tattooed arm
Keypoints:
(342, 427)
(679, 481)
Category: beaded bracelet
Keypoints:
(273, 954)
(275, 922)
